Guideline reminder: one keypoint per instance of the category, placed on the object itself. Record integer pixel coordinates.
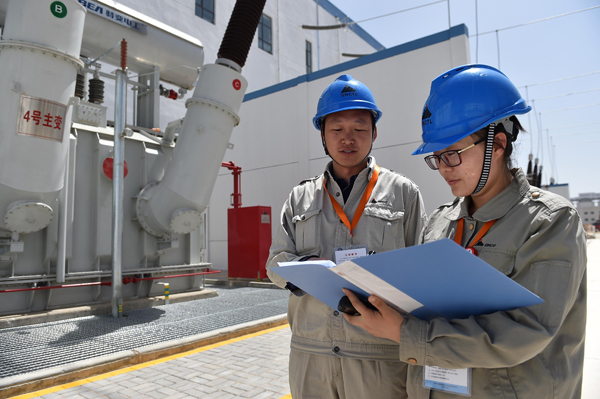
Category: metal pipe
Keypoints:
(134, 97)
(118, 184)
(157, 140)
(62, 224)
(126, 280)
(94, 274)
(88, 62)
(112, 77)
(52, 287)
(236, 197)
(179, 199)
(134, 279)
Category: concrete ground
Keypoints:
(255, 365)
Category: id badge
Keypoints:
(454, 381)
(343, 254)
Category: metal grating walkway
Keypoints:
(41, 346)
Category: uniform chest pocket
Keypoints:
(501, 259)
(385, 228)
(308, 231)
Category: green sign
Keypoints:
(58, 9)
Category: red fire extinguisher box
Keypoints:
(249, 240)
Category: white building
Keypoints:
(588, 206)
(281, 49)
(281, 52)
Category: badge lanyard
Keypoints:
(479, 236)
(361, 204)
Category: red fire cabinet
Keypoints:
(249, 240)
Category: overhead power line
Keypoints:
(559, 80)
(570, 126)
(538, 20)
(574, 134)
(570, 108)
(580, 142)
(566, 94)
(346, 24)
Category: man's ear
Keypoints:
(324, 143)
(374, 133)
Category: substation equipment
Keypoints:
(62, 166)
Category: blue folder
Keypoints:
(447, 280)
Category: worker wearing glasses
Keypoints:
(532, 236)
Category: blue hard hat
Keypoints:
(343, 94)
(464, 100)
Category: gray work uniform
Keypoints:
(329, 356)
(534, 352)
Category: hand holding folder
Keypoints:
(437, 279)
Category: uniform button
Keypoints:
(535, 194)
(470, 227)
(337, 194)
(336, 350)
(412, 361)
(336, 313)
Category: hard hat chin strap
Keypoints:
(487, 159)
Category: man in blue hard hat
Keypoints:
(355, 206)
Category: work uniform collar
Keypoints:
(498, 206)
(361, 179)
(369, 170)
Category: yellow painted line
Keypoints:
(288, 396)
(147, 364)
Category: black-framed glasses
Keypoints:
(451, 158)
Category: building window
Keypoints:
(205, 9)
(308, 52)
(265, 35)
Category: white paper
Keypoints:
(325, 263)
(372, 284)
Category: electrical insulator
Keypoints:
(96, 92)
(80, 86)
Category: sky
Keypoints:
(555, 63)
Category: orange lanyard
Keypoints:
(479, 236)
(361, 204)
